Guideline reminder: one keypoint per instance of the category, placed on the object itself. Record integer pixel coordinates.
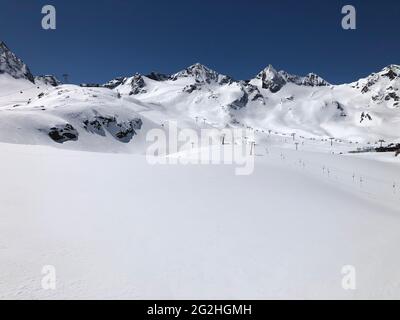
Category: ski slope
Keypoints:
(115, 226)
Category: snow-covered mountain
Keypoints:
(108, 116)
(12, 65)
(273, 80)
(286, 231)
(382, 87)
(278, 101)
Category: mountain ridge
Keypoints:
(97, 117)
(200, 71)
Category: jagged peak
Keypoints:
(271, 79)
(201, 74)
(269, 70)
(197, 69)
(3, 45)
(275, 80)
(313, 79)
(12, 65)
(198, 66)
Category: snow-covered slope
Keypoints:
(114, 226)
(93, 119)
(382, 88)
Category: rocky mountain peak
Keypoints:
(271, 79)
(200, 73)
(268, 73)
(12, 65)
(275, 80)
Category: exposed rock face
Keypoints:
(47, 80)
(121, 131)
(12, 65)
(392, 95)
(255, 94)
(271, 79)
(392, 72)
(191, 87)
(158, 76)
(340, 107)
(249, 93)
(313, 80)
(365, 116)
(63, 133)
(241, 102)
(112, 84)
(137, 84)
(274, 80)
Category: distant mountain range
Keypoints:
(99, 115)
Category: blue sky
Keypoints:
(98, 40)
